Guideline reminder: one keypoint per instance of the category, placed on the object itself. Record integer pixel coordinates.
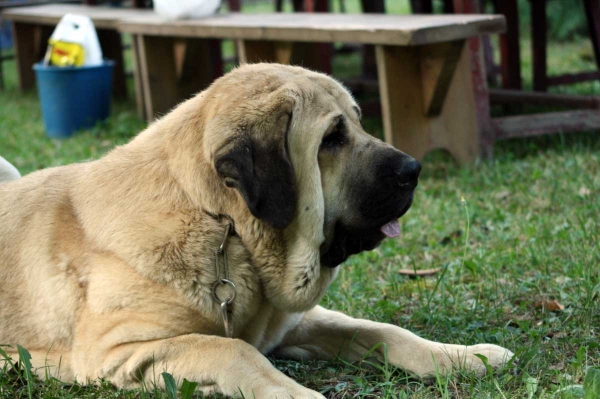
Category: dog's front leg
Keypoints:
(229, 366)
(325, 334)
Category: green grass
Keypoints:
(533, 231)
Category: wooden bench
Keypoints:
(430, 97)
(32, 26)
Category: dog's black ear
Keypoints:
(256, 163)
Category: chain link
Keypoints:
(225, 304)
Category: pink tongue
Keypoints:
(392, 229)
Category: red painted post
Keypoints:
(369, 67)
(592, 12)
(480, 88)
(539, 44)
(234, 5)
(421, 6)
(509, 45)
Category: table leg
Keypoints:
(30, 42)
(200, 65)
(315, 56)
(137, 77)
(412, 81)
(253, 51)
(172, 70)
(112, 49)
(158, 74)
(299, 53)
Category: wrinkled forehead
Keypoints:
(327, 95)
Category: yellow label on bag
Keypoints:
(66, 54)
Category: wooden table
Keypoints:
(429, 95)
(32, 26)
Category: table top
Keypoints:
(306, 27)
(322, 27)
(50, 14)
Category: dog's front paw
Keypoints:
(497, 356)
(279, 392)
(464, 357)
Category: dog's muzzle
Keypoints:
(381, 197)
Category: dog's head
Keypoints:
(290, 143)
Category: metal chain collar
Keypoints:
(225, 304)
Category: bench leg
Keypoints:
(171, 70)
(30, 43)
(112, 49)
(428, 101)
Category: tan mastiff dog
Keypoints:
(112, 269)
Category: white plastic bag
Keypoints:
(79, 29)
(182, 9)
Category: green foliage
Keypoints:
(565, 19)
(591, 384)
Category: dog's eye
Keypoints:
(336, 138)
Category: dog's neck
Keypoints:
(287, 261)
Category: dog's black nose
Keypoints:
(408, 172)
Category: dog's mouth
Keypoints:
(348, 241)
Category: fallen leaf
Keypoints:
(449, 238)
(524, 317)
(428, 257)
(531, 385)
(550, 304)
(584, 191)
(562, 279)
(419, 273)
(556, 335)
(558, 366)
(503, 194)
(540, 203)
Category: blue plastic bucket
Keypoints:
(73, 98)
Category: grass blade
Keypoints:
(187, 389)
(25, 357)
(170, 386)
